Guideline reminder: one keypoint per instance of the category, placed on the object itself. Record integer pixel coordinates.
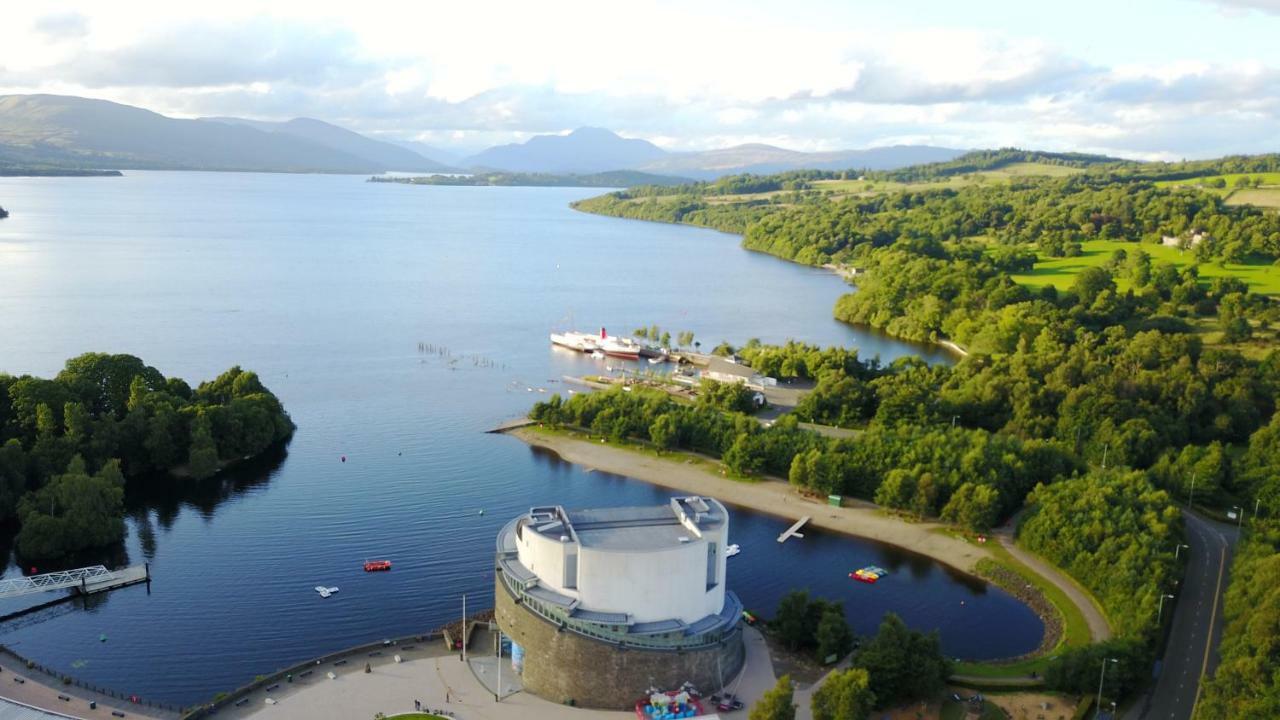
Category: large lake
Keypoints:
(327, 286)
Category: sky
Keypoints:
(1164, 79)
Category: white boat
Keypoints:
(619, 347)
(582, 342)
(732, 550)
(326, 591)
(654, 361)
(597, 354)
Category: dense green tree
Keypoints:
(833, 635)
(1077, 670)
(202, 455)
(72, 512)
(844, 695)
(1246, 683)
(975, 507)
(791, 621)
(903, 664)
(1114, 533)
(778, 702)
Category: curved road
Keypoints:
(1191, 652)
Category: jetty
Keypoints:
(510, 425)
(794, 530)
(81, 581)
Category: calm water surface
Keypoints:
(326, 286)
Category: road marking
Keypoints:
(1208, 640)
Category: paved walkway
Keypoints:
(34, 693)
(1099, 629)
(443, 681)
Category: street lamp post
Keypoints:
(1160, 608)
(1256, 504)
(1179, 548)
(1239, 517)
(1191, 496)
(1101, 677)
(1105, 447)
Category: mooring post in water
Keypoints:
(147, 569)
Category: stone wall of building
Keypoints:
(561, 666)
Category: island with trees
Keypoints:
(1120, 325)
(70, 444)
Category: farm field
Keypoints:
(1261, 278)
(1015, 170)
(1265, 197)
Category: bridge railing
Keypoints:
(15, 587)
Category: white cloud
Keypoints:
(684, 75)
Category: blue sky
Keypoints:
(1170, 79)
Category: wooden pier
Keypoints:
(794, 530)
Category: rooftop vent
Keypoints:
(684, 538)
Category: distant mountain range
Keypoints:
(384, 154)
(585, 150)
(80, 132)
(56, 131)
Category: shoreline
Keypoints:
(767, 496)
(833, 268)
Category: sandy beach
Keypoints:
(767, 496)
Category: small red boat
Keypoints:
(376, 565)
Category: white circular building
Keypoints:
(604, 603)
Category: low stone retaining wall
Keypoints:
(1026, 592)
(563, 666)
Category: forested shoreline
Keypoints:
(1093, 405)
(69, 445)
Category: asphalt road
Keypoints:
(1191, 653)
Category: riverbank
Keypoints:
(771, 497)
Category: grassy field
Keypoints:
(1004, 174)
(1230, 179)
(1264, 197)
(1261, 278)
(1267, 196)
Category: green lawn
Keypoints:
(1075, 629)
(1261, 278)
(415, 716)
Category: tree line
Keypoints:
(1246, 683)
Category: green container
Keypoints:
(835, 500)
